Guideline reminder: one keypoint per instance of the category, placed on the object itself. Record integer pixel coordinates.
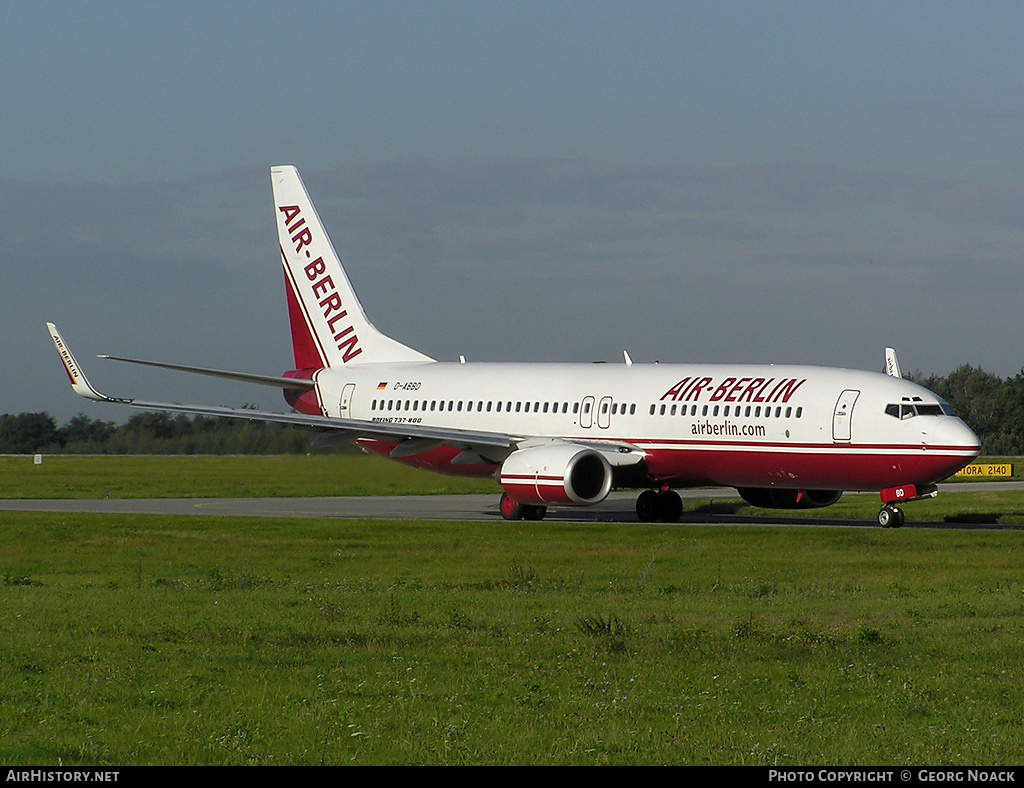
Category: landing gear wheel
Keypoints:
(671, 507)
(891, 517)
(647, 506)
(510, 509)
(666, 507)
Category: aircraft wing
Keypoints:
(411, 438)
(356, 427)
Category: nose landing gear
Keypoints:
(892, 516)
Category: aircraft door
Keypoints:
(587, 413)
(604, 413)
(345, 406)
(842, 418)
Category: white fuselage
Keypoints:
(759, 426)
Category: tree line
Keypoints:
(149, 433)
(992, 406)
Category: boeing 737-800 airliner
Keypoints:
(566, 434)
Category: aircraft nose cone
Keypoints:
(954, 434)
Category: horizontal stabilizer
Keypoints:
(244, 377)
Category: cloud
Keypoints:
(525, 258)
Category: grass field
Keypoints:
(162, 640)
(131, 640)
(222, 477)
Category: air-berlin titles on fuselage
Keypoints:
(759, 390)
(323, 287)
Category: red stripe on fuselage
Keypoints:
(808, 466)
(819, 467)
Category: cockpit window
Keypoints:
(907, 410)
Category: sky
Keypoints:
(768, 182)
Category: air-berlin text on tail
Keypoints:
(691, 389)
(322, 287)
(69, 362)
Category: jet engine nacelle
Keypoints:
(560, 473)
(768, 498)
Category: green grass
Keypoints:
(222, 477)
(163, 640)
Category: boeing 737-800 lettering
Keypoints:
(565, 434)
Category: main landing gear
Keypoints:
(651, 506)
(513, 510)
(659, 506)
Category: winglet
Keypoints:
(79, 382)
(892, 366)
